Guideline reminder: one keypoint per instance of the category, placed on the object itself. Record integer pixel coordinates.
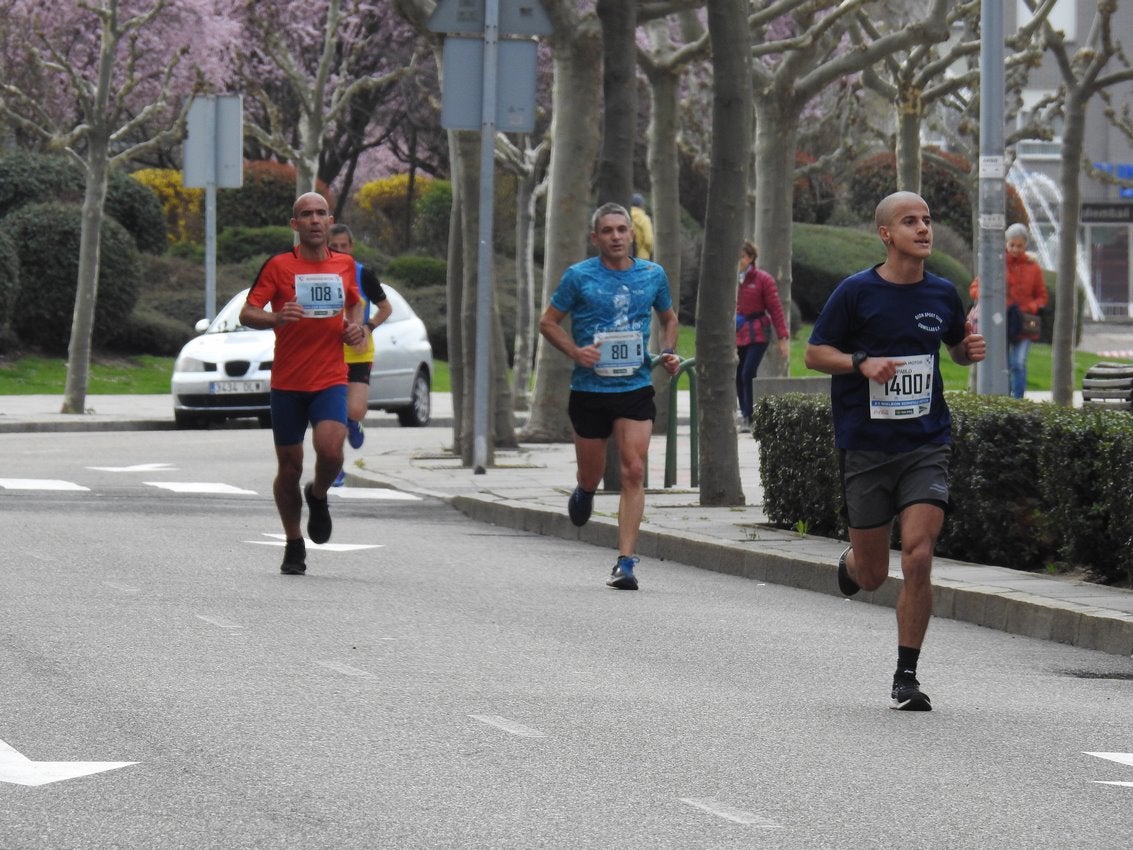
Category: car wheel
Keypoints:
(188, 420)
(417, 414)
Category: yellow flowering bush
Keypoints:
(183, 208)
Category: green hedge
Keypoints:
(9, 279)
(822, 256)
(47, 237)
(236, 244)
(1033, 486)
(417, 271)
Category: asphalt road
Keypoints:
(434, 682)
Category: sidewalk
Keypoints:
(527, 489)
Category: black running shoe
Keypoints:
(294, 558)
(622, 577)
(318, 523)
(907, 695)
(579, 506)
(846, 584)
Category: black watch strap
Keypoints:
(856, 359)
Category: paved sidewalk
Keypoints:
(527, 489)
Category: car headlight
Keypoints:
(189, 364)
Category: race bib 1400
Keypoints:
(320, 295)
(908, 394)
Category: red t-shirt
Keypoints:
(308, 353)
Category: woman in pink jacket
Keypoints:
(757, 309)
(1026, 290)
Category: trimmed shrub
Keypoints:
(1032, 486)
(266, 198)
(386, 207)
(236, 244)
(9, 279)
(416, 272)
(149, 331)
(431, 217)
(944, 185)
(822, 256)
(47, 237)
(28, 178)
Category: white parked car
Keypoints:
(225, 373)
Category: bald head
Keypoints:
(306, 200)
(891, 207)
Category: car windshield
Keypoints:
(228, 319)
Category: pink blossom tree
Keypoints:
(105, 81)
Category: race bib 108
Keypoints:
(320, 295)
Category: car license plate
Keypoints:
(228, 387)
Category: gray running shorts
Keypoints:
(877, 486)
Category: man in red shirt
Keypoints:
(309, 297)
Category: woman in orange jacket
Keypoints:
(758, 308)
(1026, 290)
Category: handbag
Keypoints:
(1031, 324)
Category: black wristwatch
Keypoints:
(856, 360)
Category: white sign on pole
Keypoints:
(214, 147)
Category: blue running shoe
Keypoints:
(579, 506)
(341, 479)
(355, 434)
(622, 577)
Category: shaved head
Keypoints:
(308, 198)
(887, 209)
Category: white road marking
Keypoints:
(137, 467)
(219, 621)
(509, 726)
(281, 540)
(200, 487)
(730, 813)
(123, 587)
(345, 669)
(40, 484)
(1120, 758)
(376, 493)
(18, 769)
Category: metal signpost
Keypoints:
(991, 375)
(214, 158)
(505, 99)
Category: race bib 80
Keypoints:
(320, 295)
(620, 353)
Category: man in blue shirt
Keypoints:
(879, 336)
(611, 299)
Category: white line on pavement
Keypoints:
(509, 726)
(219, 621)
(40, 484)
(730, 813)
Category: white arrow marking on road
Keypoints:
(199, 487)
(1120, 758)
(381, 493)
(281, 540)
(509, 726)
(730, 813)
(39, 484)
(18, 769)
(137, 467)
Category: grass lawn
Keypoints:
(146, 375)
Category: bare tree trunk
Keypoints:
(619, 129)
(86, 290)
(723, 233)
(574, 135)
(775, 136)
(1069, 216)
(909, 147)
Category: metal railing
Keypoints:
(671, 426)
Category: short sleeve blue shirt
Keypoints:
(868, 313)
(601, 299)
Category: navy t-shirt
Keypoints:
(868, 313)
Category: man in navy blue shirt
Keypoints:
(879, 336)
(611, 299)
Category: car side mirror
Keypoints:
(201, 326)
